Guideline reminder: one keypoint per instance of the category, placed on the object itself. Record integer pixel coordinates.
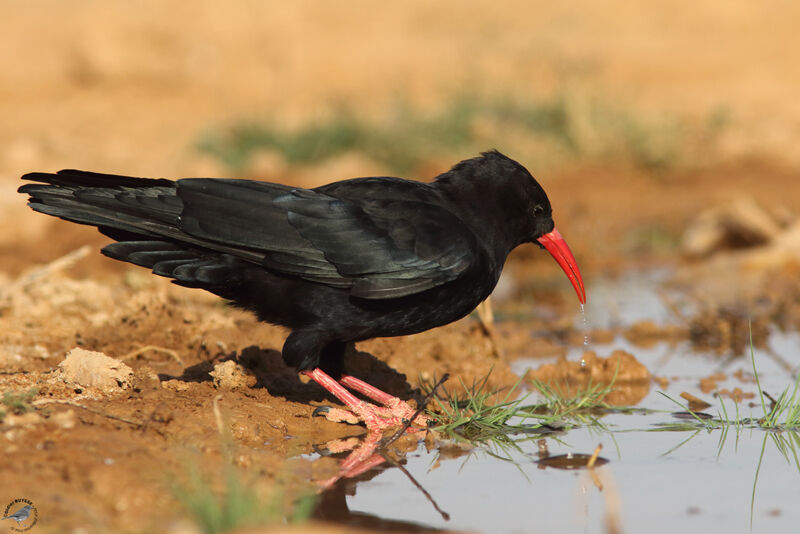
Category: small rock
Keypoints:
(65, 419)
(648, 333)
(145, 380)
(25, 419)
(175, 385)
(231, 375)
(629, 377)
(94, 369)
(740, 224)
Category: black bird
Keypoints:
(345, 262)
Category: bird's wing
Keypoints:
(378, 248)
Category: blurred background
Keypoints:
(644, 111)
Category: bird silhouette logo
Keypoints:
(26, 515)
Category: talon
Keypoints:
(322, 450)
(320, 411)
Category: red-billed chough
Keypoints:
(345, 262)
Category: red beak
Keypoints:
(559, 249)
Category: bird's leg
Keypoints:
(398, 408)
(374, 417)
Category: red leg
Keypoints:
(365, 389)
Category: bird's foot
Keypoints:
(394, 412)
(393, 407)
(376, 418)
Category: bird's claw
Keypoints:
(320, 411)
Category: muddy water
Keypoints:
(664, 473)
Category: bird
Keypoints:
(336, 264)
(20, 515)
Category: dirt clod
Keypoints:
(231, 375)
(737, 395)
(64, 419)
(145, 380)
(695, 404)
(729, 329)
(87, 368)
(740, 224)
(709, 383)
(631, 379)
(647, 333)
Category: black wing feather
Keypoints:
(379, 248)
(352, 238)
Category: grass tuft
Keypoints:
(581, 405)
(19, 402)
(782, 413)
(478, 414)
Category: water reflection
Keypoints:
(332, 505)
(364, 458)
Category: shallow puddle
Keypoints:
(664, 474)
(656, 488)
(658, 479)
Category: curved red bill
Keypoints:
(558, 248)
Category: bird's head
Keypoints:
(542, 230)
(512, 208)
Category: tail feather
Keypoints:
(103, 199)
(140, 206)
(76, 178)
(142, 214)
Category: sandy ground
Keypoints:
(129, 87)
